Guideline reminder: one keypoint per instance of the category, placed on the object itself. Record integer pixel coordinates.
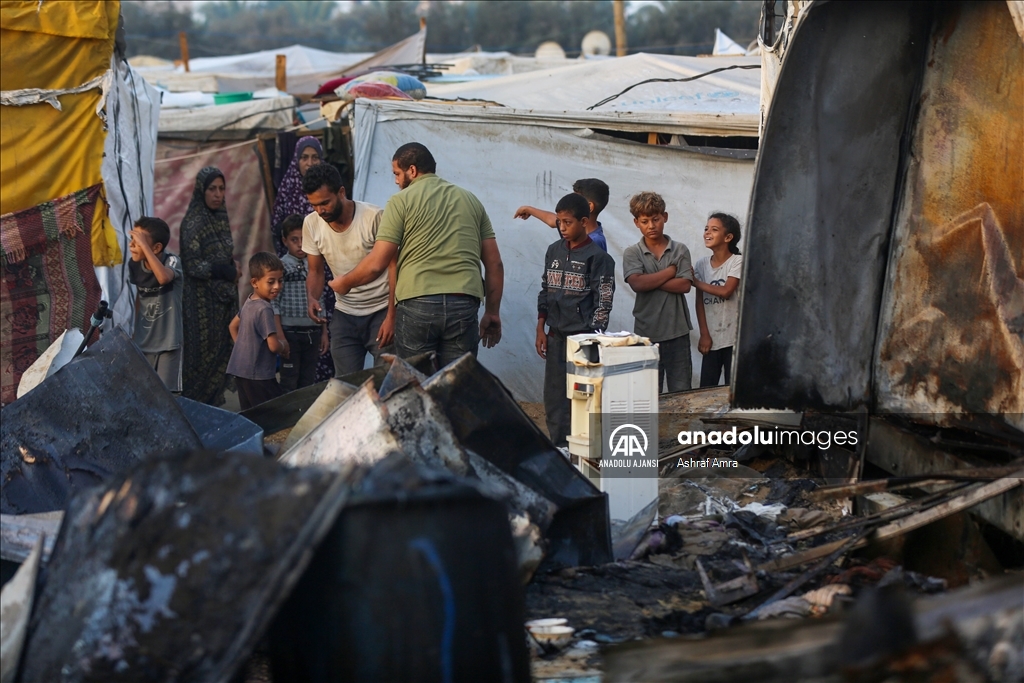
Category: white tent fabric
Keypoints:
(726, 46)
(728, 95)
(302, 60)
(307, 68)
(271, 113)
(411, 50)
(129, 153)
(508, 158)
(492, 63)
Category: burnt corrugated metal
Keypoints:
(951, 338)
(822, 203)
(886, 230)
(94, 418)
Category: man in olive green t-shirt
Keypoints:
(441, 234)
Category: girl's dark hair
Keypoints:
(732, 227)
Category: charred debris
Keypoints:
(410, 522)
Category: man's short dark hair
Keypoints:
(320, 175)
(264, 262)
(290, 225)
(575, 204)
(415, 154)
(156, 228)
(594, 191)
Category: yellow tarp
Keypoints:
(45, 153)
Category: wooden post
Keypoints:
(183, 44)
(423, 23)
(281, 73)
(269, 192)
(620, 28)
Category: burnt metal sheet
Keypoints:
(173, 570)
(487, 420)
(15, 610)
(366, 429)
(903, 452)
(284, 411)
(415, 582)
(951, 342)
(94, 418)
(222, 430)
(822, 204)
(356, 431)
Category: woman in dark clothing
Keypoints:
(292, 200)
(210, 293)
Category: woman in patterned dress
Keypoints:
(210, 292)
(292, 200)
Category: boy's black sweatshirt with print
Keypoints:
(576, 288)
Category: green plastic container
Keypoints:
(231, 97)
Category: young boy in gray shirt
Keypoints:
(156, 273)
(254, 359)
(659, 270)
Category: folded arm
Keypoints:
(648, 282)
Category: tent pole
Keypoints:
(183, 44)
(620, 28)
(281, 73)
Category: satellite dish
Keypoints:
(549, 51)
(597, 43)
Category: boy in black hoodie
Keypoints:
(575, 297)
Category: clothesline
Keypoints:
(240, 144)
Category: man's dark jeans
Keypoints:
(443, 323)
(299, 368)
(352, 337)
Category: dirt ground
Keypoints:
(535, 411)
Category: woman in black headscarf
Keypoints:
(210, 294)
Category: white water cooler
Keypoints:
(612, 381)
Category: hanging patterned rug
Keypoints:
(48, 284)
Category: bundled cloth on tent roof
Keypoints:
(410, 85)
(330, 86)
(370, 91)
(48, 283)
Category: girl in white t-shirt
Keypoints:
(717, 277)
